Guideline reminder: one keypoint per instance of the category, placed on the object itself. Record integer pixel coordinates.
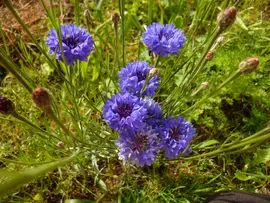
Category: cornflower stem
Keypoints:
(122, 9)
(241, 144)
(198, 68)
(145, 84)
(23, 119)
(156, 61)
(116, 65)
(231, 78)
(50, 112)
(116, 48)
(7, 65)
(197, 92)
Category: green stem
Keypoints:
(203, 61)
(50, 112)
(122, 9)
(9, 66)
(241, 144)
(231, 78)
(21, 118)
(116, 48)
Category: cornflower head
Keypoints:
(76, 42)
(177, 133)
(124, 111)
(163, 39)
(133, 78)
(140, 147)
(154, 113)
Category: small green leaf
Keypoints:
(241, 176)
(103, 186)
(208, 143)
(262, 156)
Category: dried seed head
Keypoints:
(153, 72)
(115, 19)
(6, 106)
(248, 65)
(226, 18)
(210, 55)
(42, 97)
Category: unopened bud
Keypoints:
(153, 72)
(6, 106)
(60, 144)
(87, 15)
(220, 40)
(210, 55)
(248, 65)
(226, 18)
(204, 85)
(42, 97)
(115, 19)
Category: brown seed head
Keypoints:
(42, 97)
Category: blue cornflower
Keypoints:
(154, 113)
(133, 76)
(177, 133)
(163, 39)
(140, 147)
(76, 42)
(125, 110)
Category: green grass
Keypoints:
(234, 113)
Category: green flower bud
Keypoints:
(248, 65)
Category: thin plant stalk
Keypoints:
(26, 121)
(10, 67)
(202, 62)
(50, 112)
(231, 78)
(122, 14)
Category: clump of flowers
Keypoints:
(76, 43)
(143, 130)
(163, 39)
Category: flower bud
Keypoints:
(115, 19)
(210, 55)
(226, 18)
(87, 15)
(204, 85)
(248, 65)
(220, 40)
(153, 72)
(6, 106)
(42, 97)
(60, 144)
